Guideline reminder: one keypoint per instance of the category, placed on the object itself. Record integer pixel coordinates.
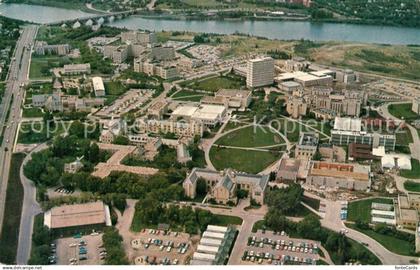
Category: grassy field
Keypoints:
(223, 220)
(391, 243)
(251, 137)
(32, 112)
(414, 173)
(213, 84)
(40, 65)
(403, 111)
(403, 137)
(242, 160)
(412, 186)
(38, 132)
(13, 208)
(314, 203)
(394, 61)
(186, 95)
(360, 210)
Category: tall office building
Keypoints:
(260, 72)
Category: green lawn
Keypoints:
(186, 95)
(360, 210)
(213, 84)
(403, 111)
(223, 220)
(391, 243)
(13, 208)
(251, 136)
(412, 186)
(242, 160)
(41, 65)
(32, 112)
(403, 137)
(259, 225)
(314, 203)
(38, 132)
(414, 173)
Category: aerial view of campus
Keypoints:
(250, 133)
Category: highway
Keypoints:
(10, 109)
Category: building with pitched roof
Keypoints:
(222, 185)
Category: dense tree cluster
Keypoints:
(112, 241)
(150, 211)
(41, 240)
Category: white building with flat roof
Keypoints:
(98, 86)
(260, 72)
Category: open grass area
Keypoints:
(412, 186)
(414, 173)
(242, 160)
(213, 84)
(314, 203)
(38, 132)
(360, 210)
(393, 244)
(252, 136)
(223, 220)
(41, 65)
(403, 137)
(186, 95)
(403, 111)
(13, 208)
(32, 113)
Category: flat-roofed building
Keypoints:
(289, 86)
(305, 79)
(237, 99)
(98, 86)
(339, 175)
(307, 145)
(77, 69)
(72, 218)
(407, 216)
(349, 130)
(292, 170)
(138, 37)
(416, 105)
(211, 242)
(189, 128)
(260, 72)
(209, 115)
(162, 53)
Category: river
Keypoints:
(284, 30)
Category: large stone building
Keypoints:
(42, 48)
(339, 175)
(306, 146)
(416, 105)
(236, 99)
(260, 72)
(209, 115)
(76, 69)
(153, 68)
(162, 53)
(222, 185)
(179, 128)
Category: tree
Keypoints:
(276, 220)
(201, 187)
(242, 193)
(113, 244)
(121, 140)
(94, 153)
(286, 199)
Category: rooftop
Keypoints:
(348, 124)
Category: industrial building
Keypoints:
(260, 72)
(214, 246)
(67, 219)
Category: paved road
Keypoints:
(415, 146)
(332, 221)
(30, 209)
(13, 97)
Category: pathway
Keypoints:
(30, 209)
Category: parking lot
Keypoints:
(160, 247)
(278, 249)
(80, 251)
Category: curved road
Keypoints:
(30, 209)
